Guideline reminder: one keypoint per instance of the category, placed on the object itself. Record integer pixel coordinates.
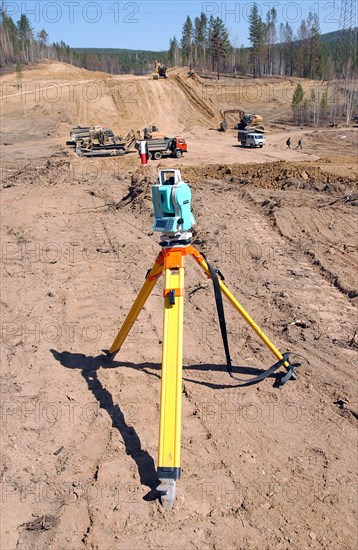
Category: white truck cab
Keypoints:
(255, 140)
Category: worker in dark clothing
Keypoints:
(299, 144)
(288, 143)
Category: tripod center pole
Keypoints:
(172, 363)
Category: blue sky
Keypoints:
(149, 25)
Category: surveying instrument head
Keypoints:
(171, 198)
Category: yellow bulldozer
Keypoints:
(101, 142)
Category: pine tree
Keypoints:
(289, 57)
(257, 31)
(303, 51)
(297, 103)
(324, 105)
(220, 44)
(26, 36)
(187, 42)
(200, 38)
(315, 49)
(173, 54)
(9, 39)
(42, 38)
(209, 44)
(271, 36)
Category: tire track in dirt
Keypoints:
(330, 315)
(210, 113)
(321, 226)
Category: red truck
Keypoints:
(174, 147)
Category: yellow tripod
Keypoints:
(172, 260)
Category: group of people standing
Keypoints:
(298, 146)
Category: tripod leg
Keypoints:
(145, 291)
(171, 385)
(200, 260)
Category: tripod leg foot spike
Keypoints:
(110, 356)
(167, 491)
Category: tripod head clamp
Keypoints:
(171, 198)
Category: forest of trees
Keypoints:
(116, 61)
(275, 49)
(19, 46)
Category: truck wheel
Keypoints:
(157, 155)
(178, 153)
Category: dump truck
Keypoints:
(251, 139)
(157, 148)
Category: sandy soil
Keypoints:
(262, 467)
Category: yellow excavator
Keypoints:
(247, 122)
(160, 71)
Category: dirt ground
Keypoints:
(262, 467)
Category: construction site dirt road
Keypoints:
(262, 467)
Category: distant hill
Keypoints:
(330, 37)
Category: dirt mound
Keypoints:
(275, 175)
(130, 103)
(139, 193)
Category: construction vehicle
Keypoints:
(160, 71)
(157, 148)
(93, 133)
(247, 122)
(251, 139)
(152, 132)
(104, 143)
(76, 133)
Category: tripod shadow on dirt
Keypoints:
(208, 367)
(88, 366)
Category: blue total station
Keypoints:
(172, 203)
